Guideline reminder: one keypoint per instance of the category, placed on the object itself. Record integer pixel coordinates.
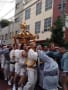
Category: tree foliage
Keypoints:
(4, 23)
(57, 32)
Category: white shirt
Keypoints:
(32, 55)
(17, 55)
(12, 53)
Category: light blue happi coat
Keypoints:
(3, 51)
(64, 62)
(49, 82)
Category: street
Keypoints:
(3, 85)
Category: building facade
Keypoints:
(14, 27)
(39, 16)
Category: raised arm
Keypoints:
(43, 56)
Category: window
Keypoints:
(37, 27)
(17, 20)
(27, 13)
(48, 4)
(47, 24)
(28, 28)
(17, 5)
(38, 7)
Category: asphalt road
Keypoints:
(3, 85)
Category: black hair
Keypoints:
(21, 47)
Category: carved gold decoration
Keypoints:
(24, 36)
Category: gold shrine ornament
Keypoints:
(24, 36)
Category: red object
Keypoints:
(57, 13)
(66, 34)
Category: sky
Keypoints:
(7, 9)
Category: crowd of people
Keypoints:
(25, 67)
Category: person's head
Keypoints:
(52, 48)
(45, 48)
(57, 48)
(52, 44)
(39, 47)
(62, 50)
(24, 53)
(32, 44)
(15, 46)
(22, 46)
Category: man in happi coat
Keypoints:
(50, 72)
(31, 67)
